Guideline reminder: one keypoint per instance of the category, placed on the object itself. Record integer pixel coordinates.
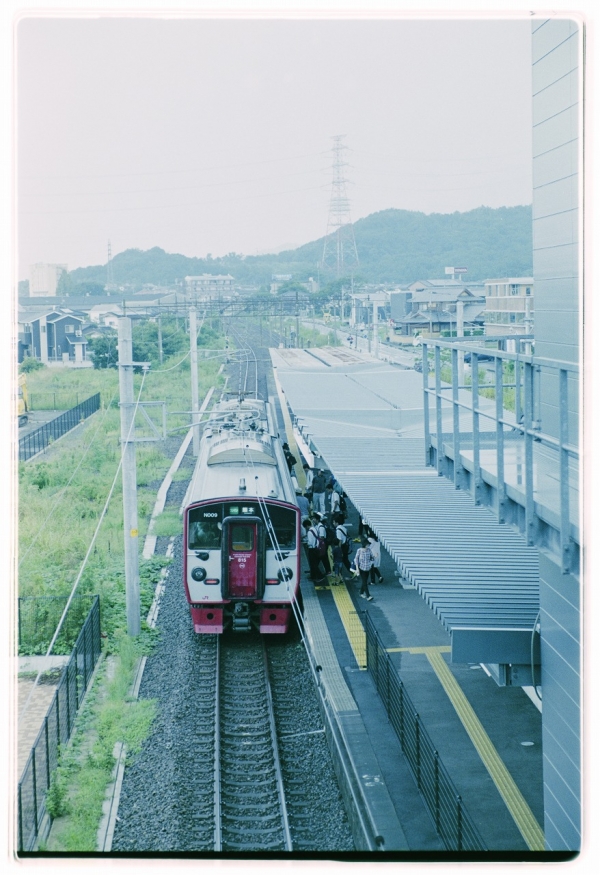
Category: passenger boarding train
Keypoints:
(241, 525)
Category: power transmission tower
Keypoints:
(110, 281)
(339, 249)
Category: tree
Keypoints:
(65, 284)
(291, 286)
(103, 350)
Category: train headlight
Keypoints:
(198, 574)
(285, 574)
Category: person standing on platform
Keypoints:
(289, 457)
(375, 548)
(341, 533)
(308, 476)
(302, 502)
(318, 491)
(338, 562)
(314, 556)
(333, 502)
(363, 562)
(321, 530)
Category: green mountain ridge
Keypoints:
(394, 246)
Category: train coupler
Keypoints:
(240, 618)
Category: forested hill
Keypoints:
(393, 246)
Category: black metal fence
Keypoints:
(38, 440)
(56, 730)
(452, 822)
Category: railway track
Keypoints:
(252, 797)
(239, 798)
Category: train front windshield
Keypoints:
(205, 524)
(204, 532)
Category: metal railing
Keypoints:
(56, 730)
(452, 822)
(523, 425)
(36, 441)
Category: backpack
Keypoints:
(329, 534)
(348, 542)
(321, 544)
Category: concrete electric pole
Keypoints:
(130, 517)
(194, 377)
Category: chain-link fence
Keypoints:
(38, 440)
(452, 822)
(56, 730)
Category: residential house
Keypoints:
(433, 307)
(52, 337)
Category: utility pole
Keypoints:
(130, 517)
(160, 346)
(375, 332)
(194, 374)
(297, 322)
(460, 331)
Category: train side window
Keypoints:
(203, 533)
(284, 523)
(242, 539)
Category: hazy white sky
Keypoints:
(211, 136)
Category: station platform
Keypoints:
(447, 567)
(488, 738)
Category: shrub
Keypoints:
(30, 364)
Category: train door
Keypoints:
(244, 574)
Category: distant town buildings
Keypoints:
(208, 284)
(44, 278)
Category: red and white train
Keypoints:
(241, 525)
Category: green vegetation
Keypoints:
(393, 246)
(168, 523)
(108, 716)
(145, 336)
(30, 364)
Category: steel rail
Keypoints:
(280, 785)
(217, 756)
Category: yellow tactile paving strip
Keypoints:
(510, 793)
(352, 624)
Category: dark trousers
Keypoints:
(364, 578)
(375, 573)
(345, 559)
(314, 561)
